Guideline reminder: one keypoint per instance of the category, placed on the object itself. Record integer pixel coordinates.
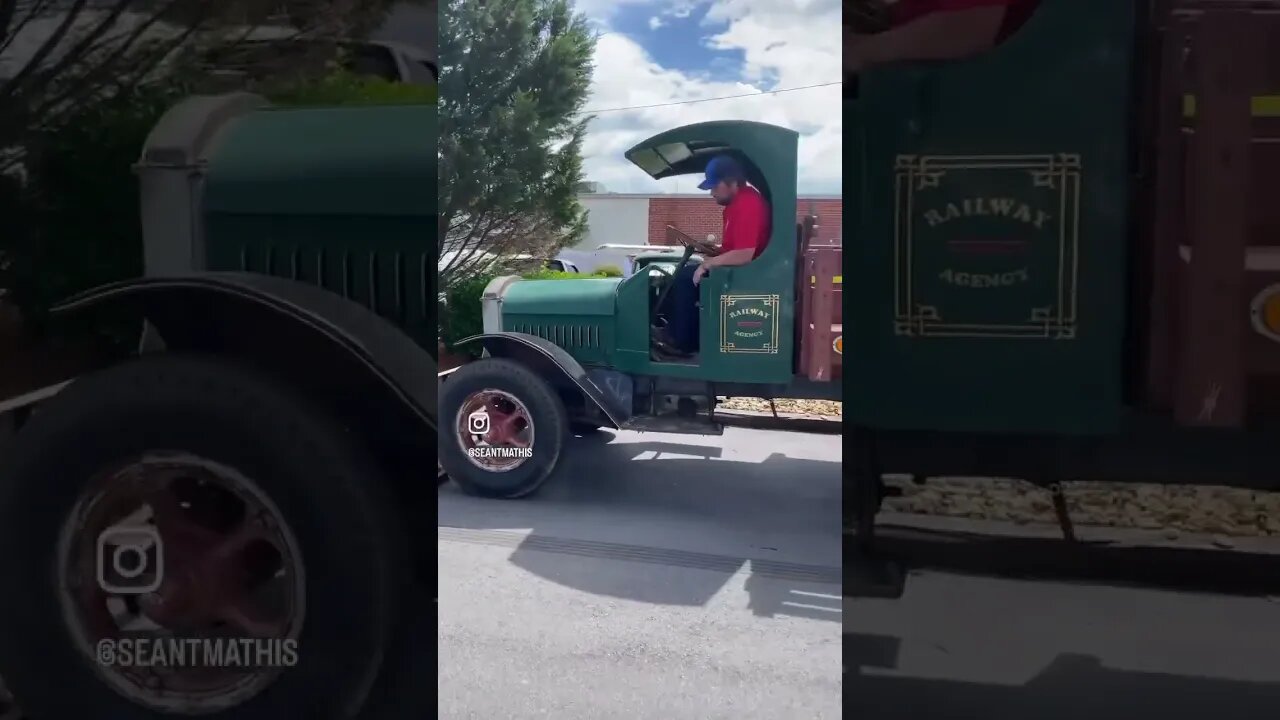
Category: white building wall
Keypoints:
(615, 219)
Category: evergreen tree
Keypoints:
(514, 77)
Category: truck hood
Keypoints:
(589, 296)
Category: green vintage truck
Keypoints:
(1064, 254)
(569, 355)
(256, 470)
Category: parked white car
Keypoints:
(619, 255)
(395, 61)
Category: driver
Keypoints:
(930, 30)
(744, 236)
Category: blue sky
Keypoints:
(659, 51)
(680, 42)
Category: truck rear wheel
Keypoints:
(503, 428)
(202, 498)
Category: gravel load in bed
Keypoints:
(818, 408)
(1174, 509)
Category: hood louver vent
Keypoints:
(566, 335)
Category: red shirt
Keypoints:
(746, 222)
(1016, 11)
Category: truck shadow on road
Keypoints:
(672, 524)
(1071, 687)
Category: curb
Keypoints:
(784, 421)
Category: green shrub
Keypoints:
(461, 316)
(609, 271)
(347, 89)
(546, 274)
(78, 224)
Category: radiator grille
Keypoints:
(391, 283)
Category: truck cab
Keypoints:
(990, 207)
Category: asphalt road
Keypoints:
(1017, 628)
(664, 577)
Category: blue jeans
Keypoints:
(683, 312)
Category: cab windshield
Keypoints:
(657, 268)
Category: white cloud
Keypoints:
(784, 43)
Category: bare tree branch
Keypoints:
(8, 89)
(32, 13)
(100, 66)
(89, 54)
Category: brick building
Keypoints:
(699, 216)
(634, 219)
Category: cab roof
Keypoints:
(769, 151)
(768, 154)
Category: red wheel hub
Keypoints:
(226, 566)
(493, 418)
(206, 576)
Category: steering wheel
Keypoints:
(702, 247)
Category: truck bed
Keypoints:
(1211, 240)
(820, 314)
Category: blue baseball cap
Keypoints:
(721, 167)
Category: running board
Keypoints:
(672, 423)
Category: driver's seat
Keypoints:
(663, 306)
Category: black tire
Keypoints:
(314, 471)
(401, 694)
(547, 412)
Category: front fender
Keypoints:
(288, 326)
(552, 362)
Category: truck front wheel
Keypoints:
(186, 535)
(503, 429)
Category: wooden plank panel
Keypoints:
(1210, 388)
(808, 266)
(1169, 229)
(826, 266)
